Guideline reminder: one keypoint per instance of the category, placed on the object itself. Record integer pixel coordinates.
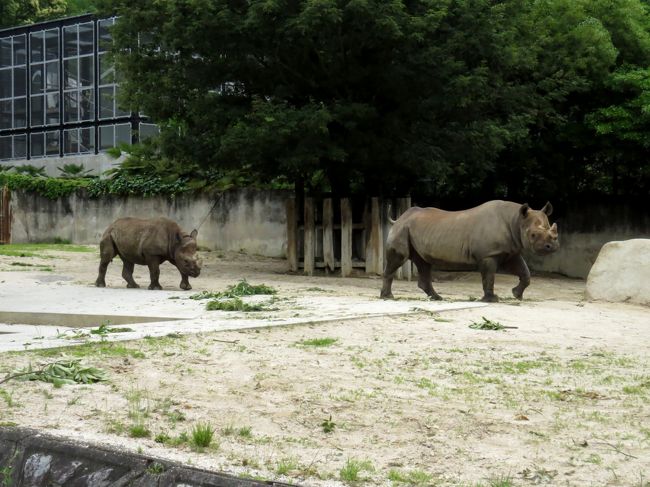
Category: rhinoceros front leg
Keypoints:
(517, 265)
(127, 274)
(154, 273)
(488, 268)
(185, 283)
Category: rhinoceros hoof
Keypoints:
(132, 286)
(100, 283)
(492, 298)
(155, 287)
(517, 293)
(435, 297)
(185, 286)
(386, 296)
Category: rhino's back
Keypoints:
(461, 238)
(136, 239)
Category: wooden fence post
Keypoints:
(309, 237)
(346, 237)
(292, 235)
(328, 236)
(374, 246)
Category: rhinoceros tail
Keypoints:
(390, 220)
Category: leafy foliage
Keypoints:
(52, 188)
(464, 99)
(236, 304)
(70, 371)
(242, 288)
(71, 170)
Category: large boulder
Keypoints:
(622, 272)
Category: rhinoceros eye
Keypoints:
(534, 235)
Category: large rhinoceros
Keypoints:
(491, 236)
(148, 242)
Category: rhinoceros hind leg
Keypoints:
(424, 277)
(127, 274)
(394, 260)
(517, 265)
(106, 254)
(488, 268)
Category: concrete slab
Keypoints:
(55, 301)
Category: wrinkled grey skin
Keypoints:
(148, 242)
(491, 237)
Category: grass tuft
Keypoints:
(202, 435)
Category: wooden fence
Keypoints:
(341, 234)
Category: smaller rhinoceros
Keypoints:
(148, 242)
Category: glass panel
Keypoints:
(106, 70)
(37, 111)
(71, 73)
(106, 137)
(86, 71)
(148, 130)
(20, 49)
(70, 41)
(70, 106)
(36, 43)
(20, 146)
(106, 102)
(70, 142)
(52, 109)
(20, 81)
(119, 112)
(122, 134)
(51, 44)
(86, 38)
(52, 143)
(87, 105)
(5, 83)
(37, 78)
(5, 52)
(5, 114)
(104, 34)
(5, 148)
(20, 112)
(37, 146)
(52, 76)
(87, 140)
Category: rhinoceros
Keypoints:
(491, 236)
(148, 242)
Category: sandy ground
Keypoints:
(559, 398)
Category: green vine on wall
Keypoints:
(118, 185)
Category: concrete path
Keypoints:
(44, 312)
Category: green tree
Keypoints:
(463, 98)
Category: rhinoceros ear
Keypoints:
(548, 208)
(524, 209)
(194, 233)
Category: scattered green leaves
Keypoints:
(69, 371)
(486, 325)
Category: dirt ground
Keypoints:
(560, 397)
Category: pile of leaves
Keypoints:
(487, 325)
(229, 300)
(68, 371)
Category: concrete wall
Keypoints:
(248, 220)
(584, 230)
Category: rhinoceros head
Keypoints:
(185, 255)
(537, 234)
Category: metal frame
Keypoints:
(132, 118)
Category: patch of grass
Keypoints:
(139, 430)
(245, 432)
(486, 325)
(105, 329)
(412, 477)
(97, 349)
(8, 398)
(286, 465)
(31, 250)
(202, 434)
(328, 425)
(162, 438)
(242, 288)
(353, 468)
(155, 468)
(317, 342)
(236, 304)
